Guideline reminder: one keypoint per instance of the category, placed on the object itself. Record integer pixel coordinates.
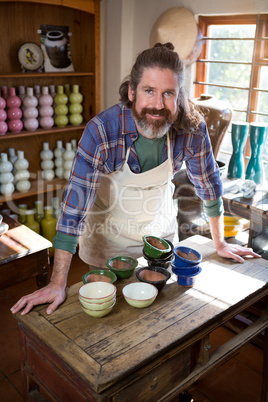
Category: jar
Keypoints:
(57, 49)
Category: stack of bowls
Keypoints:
(157, 257)
(185, 265)
(97, 298)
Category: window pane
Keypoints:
(229, 74)
(238, 98)
(232, 50)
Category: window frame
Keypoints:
(258, 59)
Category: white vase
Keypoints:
(21, 173)
(46, 153)
(7, 188)
(23, 186)
(21, 163)
(5, 165)
(30, 102)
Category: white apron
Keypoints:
(127, 207)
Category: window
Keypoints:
(233, 66)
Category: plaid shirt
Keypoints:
(102, 150)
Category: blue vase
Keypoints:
(258, 137)
(236, 167)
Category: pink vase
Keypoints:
(46, 110)
(14, 112)
(4, 91)
(3, 116)
(30, 111)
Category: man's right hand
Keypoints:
(52, 293)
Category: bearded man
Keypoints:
(120, 186)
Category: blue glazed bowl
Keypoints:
(188, 280)
(186, 257)
(185, 270)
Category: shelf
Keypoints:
(41, 131)
(37, 187)
(43, 74)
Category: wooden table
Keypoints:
(23, 255)
(149, 354)
(254, 209)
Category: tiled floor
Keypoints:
(238, 380)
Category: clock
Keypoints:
(31, 56)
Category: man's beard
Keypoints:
(153, 128)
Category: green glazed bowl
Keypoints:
(122, 266)
(99, 275)
(156, 247)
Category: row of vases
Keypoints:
(30, 110)
(14, 173)
(258, 133)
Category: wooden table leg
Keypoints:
(43, 265)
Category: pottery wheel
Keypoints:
(178, 26)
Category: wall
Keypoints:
(127, 24)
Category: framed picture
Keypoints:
(55, 44)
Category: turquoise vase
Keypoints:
(236, 168)
(258, 137)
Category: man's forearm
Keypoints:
(217, 230)
(61, 266)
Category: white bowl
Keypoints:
(140, 294)
(97, 306)
(98, 313)
(97, 292)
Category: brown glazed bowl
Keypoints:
(156, 276)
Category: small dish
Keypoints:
(156, 276)
(99, 275)
(122, 266)
(184, 270)
(156, 247)
(140, 294)
(97, 292)
(31, 56)
(98, 306)
(98, 313)
(186, 256)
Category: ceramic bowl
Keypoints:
(160, 262)
(97, 292)
(98, 313)
(186, 256)
(139, 294)
(99, 275)
(156, 276)
(188, 280)
(184, 270)
(122, 266)
(98, 306)
(156, 247)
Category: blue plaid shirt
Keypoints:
(102, 150)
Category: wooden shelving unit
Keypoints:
(19, 23)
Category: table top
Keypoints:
(255, 208)
(105, 350)
(19, 241)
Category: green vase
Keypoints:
(236, 167)
(48, 226)
(39, 212)
(31, 223)
(258, 137)
(75, 106)
(60, 107)
(22, 216)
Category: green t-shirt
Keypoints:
(149, 152)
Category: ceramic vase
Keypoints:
(45, 109)
(30, 112)
(60, 108)
(22, 174)
(37, 92)
(76, 108)
(31, 223)
(48, 226)
(258, 137)
(21, 95)
(68, 157)
(4, 92)
(74, 145)
(22, 216)
(14, 113)
(39, 213)
(47, 164)
(12, 157)
(55, 207)
(236, 167)
(58, 154)
(3, 116)
(6, 176)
